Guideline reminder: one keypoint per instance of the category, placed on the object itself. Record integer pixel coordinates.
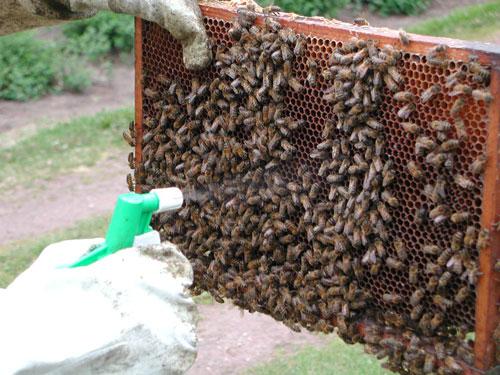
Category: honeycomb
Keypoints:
(162, 54)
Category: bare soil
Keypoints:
(60, 202)
(230, 340)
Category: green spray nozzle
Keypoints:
(131, 218)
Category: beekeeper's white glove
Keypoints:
(129, 313)
(182, 18)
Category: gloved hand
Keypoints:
(128, 313)
(182, 18)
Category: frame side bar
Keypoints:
(487, 288)
(138, 95)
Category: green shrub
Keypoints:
(328, 8)
(325, 8)
(28, 66)
(407, 7)
(100, 35)
(74, 74)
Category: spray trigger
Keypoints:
(130, 223)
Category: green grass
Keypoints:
(16, 256)
(61, 148)
(475, 22)
(335, 358)
(204, 299)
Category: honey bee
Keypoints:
(389, 198)
(400, 248)
(406, 111)
(130, 182)
(404, 37)
(460, 129)
(360, 22)
(462, 294)
(444, 257)
(394, 264)
(420, 216)
(450, 145)
(128, 138)
(461, 89)
(441, 126)
(455, 264)
(414, 170)
(416, 312)
(430, 93)
(442, 302)
(477, 166)
(312, 72)
(298, 49)
(271, 9)
(436, 321)
(413, 274)
(439, 213)
(131, 160)
(481, 75)
(483, 239)
(431, 249)
(417, 297)
(425, 323)
(456, 240)
(295, 85)
(429, 364)
(424, 144)
(404, 96)
(391, 298)
(457, 107)
(463, 182)
(470, 236)
(444, 279)
(459, 217)
(432, 284)
(384, 212)
(410, 127)
(452, 365)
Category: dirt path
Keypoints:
(106, 94)
(230, 342)
(438, 8)
(59, 203)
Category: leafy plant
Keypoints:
(326, 8)
(74, 74)
(407, 7)
(27, 66)
(100, 35)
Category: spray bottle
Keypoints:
(130, 223)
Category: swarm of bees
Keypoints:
(305, 248)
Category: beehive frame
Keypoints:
(218, 18)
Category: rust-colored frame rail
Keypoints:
(488, 292)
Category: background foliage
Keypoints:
(329, 8)
(31, 67)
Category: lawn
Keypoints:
(336, 357)
(16, 256)
(61, 148)
(476, 22)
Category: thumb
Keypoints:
(183, 19)
(64, 252)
